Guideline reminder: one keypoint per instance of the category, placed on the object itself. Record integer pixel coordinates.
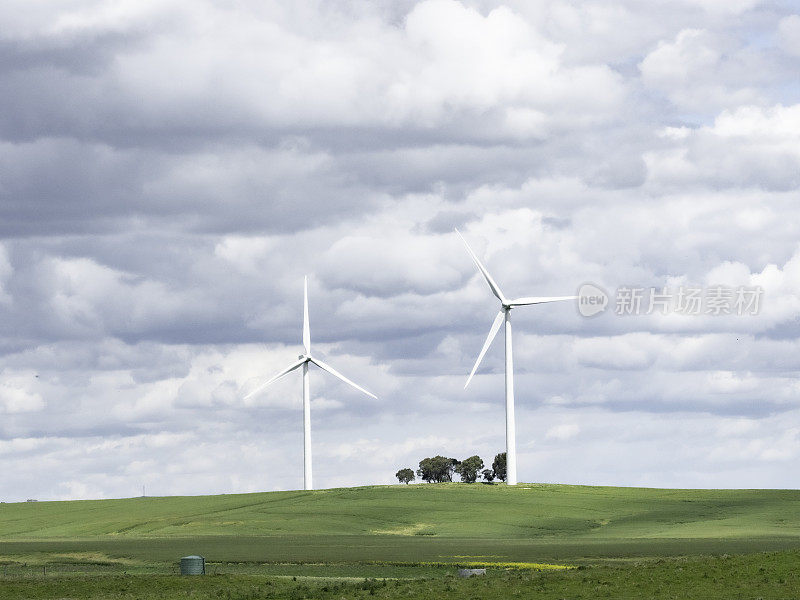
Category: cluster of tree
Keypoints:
(437, 469)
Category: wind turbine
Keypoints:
(302, 361)
(505, 315)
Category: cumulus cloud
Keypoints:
(384, 265)
(15, 399)
(701, 70)
(748, 146)
(444, 61)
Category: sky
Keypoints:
(171, 170)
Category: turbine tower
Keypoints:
(505, 315)
(302, 361)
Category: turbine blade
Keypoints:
(336, 373)
(492, 333)
(539, 300)
(492, 283)
(288, 369)
(306, 327)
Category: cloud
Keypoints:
(723, 7)
(257, 67)
(700, 70)
(564, 431)
(170, 171)
(15, 399)
(384, 265)
(789, 33)
(748, 146)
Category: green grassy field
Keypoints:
(326, 537)
(765, 576)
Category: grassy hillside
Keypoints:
(441, 510)
(419, 522)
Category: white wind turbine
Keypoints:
(302, 361)
(505, 314)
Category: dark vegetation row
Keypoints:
(438, 469)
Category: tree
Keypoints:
(488, 475)
(468, 469)
(499, 466)
(405, 475)
(425, 470)
(438, 469)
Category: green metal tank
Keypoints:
(193, 565)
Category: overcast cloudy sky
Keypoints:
(170, 170)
